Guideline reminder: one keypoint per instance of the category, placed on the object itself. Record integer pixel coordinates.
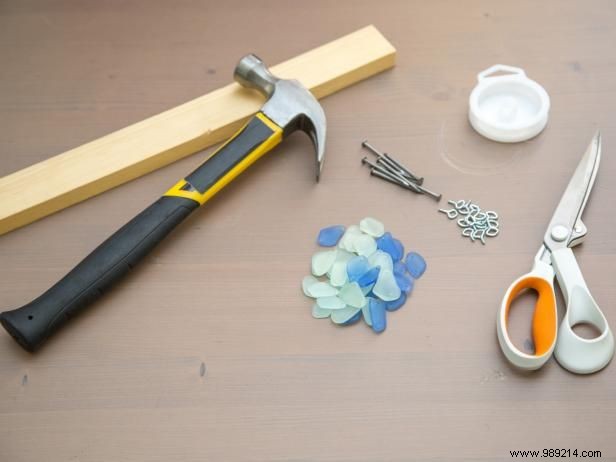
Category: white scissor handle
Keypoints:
(574, 353)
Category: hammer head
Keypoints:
(289, 104)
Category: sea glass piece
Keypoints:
(329, 237)
(405, 282)
(396, 304)
(364, 245)
(399, 250)
(322, 289)
(365, 311)
(322, 262)
(331, 303)
(367, 289)
(352, 295)
(354, 319)
(369, 277)
(319, 313)
(378, 315)
(381, 259)
(338, 275)
(372, 227)
(386, 244)
(415, 264)
(307, 282)
(348, 238)
(344, 315)
(399, 268)
(386, 287)
(357, 267)
(343, 256)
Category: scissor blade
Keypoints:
(574, 199)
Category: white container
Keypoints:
(508, 108)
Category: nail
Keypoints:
(383, 159)
(365, 144)
(407, 172)
(385, 175)
(394, 174)
(435, 196)
(379, 174)
(387, 164)
(397, 179)
(393, 163)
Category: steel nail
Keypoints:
(435, 196)
(411, 175)
(383, 159)
(385, 175)
(379, 173)
(367, 145)
(389, 166)
(393, 175)
(393, 163)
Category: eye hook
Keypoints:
(451, 213)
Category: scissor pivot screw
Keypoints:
(559, 233)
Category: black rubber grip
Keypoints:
(244, 142)
(33, 323)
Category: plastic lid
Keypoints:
(510, 107)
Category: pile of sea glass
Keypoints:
(363, 275)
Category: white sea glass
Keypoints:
(382, 259)
(342, 316)
(322, 289)
(386, 287)
(372, 227)
(343, 256)
(348, 238)
(323, 261)
(364, 245)
(331, 303)
(352, 295)
(338, 274)
(307, 282)
(318, 312)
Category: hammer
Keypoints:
(289, 107)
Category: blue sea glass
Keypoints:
(357, 267)
(329, 237)
(405, 282)
(415, 264)
(396, 304)
(386, 244)
(399, 268)
(378, 315)
(369, 277)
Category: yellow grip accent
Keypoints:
(183, 189)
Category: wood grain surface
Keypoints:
(208, 350)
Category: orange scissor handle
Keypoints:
(544, 324)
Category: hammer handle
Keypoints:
(33, 323)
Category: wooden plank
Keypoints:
(121, 156)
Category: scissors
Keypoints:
(566, 230)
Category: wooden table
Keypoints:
(208, 350)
